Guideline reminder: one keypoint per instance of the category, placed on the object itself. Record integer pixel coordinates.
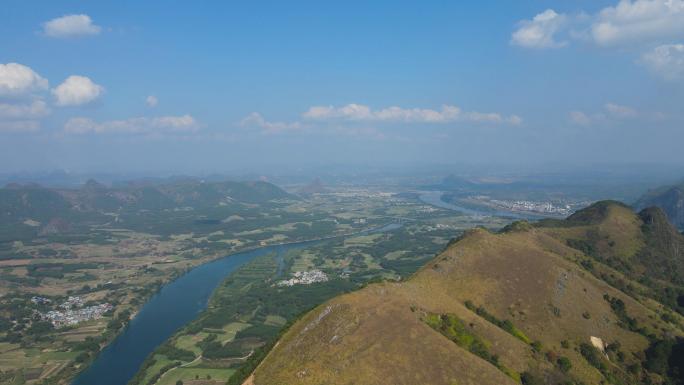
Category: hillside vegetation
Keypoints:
(30, 211)
(592, 299)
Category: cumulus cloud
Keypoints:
(638, 24)
(540, 31)
(627, 22)
(19, 80)
(256, 120)
(76, 90)
(359, 112)
(151, 101)
(70, 26)
(666, 61)
(141, 125)
(21, 104)
(640, 20)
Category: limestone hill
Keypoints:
(560, 302)
(670, 199)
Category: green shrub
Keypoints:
(536, 346)
(592, 355)
(528, 378)
(564, 364)
(455, 329)
(506, 325)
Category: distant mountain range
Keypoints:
(32, 209)
(315, 187)
(596, 298)
(670, 199)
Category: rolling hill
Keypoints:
(31, 210)
(575, 301)
(315, 187)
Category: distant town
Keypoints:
(540, 207)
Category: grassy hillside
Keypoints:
(30, 211)
(543, 304)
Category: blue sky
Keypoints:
(219, 86)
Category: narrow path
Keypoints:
(181, 366)
(194, 361)
(190, 363)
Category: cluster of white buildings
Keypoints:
(40, 300)
(72, 312)
(362, 193)
(72, 302)
(538, 207)
(305, 278)
(426, 209)
(441, 226)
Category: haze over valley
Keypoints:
(355, 193)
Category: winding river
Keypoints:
(435, 198)
(175, 305)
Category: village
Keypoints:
(305, 278)
(72, 311)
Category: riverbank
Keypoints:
(126, 353)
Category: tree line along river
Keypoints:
(176, 304)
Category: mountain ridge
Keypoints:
(25, 210)
(510, 305)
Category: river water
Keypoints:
(175, 305)
(435, 198)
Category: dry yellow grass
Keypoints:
(376, 335)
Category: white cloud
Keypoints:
(19, 80)
(151, 101)
(183, 123)
(515, 120)
(359, 112)
(20, 100)
(350, 111)
(76, 90)
(70, 26)
(540, 31)
(19, 126)
(35, 109)
(611, 112)
(627, 22)
(141, 125)
(618, 111)
(638, 21)
(579, 117)
(666, 61)
(357, 119)
(256, 120)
